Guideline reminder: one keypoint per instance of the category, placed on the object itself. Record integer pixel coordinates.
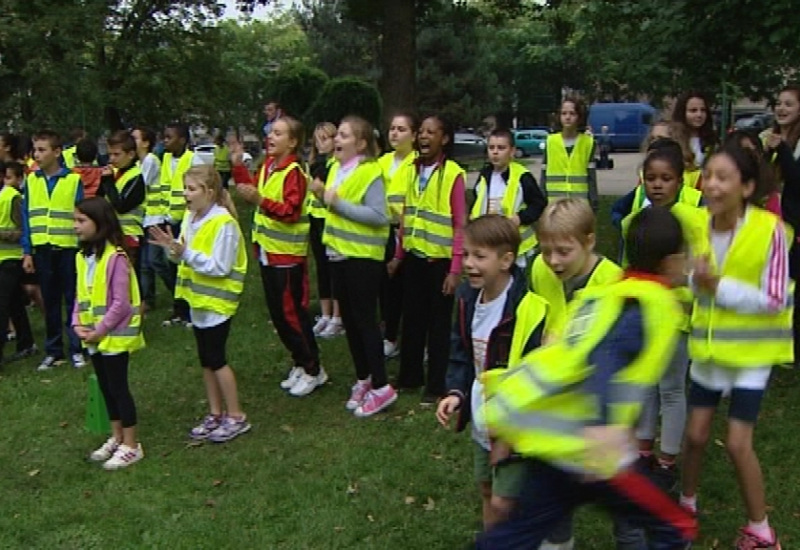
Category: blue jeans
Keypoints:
(56, 270)
(155, 263)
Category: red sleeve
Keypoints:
(294, 193)
(242, 175)
(458, 206)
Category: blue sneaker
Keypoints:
(229, 428)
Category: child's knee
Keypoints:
(501, 506)
(737, 447)
(697, 436)
(485, 488)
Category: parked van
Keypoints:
(628, 123)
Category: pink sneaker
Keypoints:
(357, 394)
(748, 540)
(375, 401)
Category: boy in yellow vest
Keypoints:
(571, 407)
(12, 298)
(508, 188)
(49, 243)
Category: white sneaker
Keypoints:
(105, 451)
(305, 384)
(49, 363)
(320, 325)
(390, 349)
(123, 457)
(569, 545)
(78, 360)
(292, 378)
(332, 329)
(322, 377)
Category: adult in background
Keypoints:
(272, 112)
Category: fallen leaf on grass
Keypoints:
(34, 473)
(436, 456)
(287, 428)
(370, 518)
(715, 544)
(87, 494)
(409, 500)
(338, 528)
(63, 424)
(210, 503)
(45, 381)
(217, 482)
(193, 444)
(430, 505)
(352, 488)
(719, 443)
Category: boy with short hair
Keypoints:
(49, 243)
(481, 339)
(86, 166)
(571, 407)
(12, 297)
(508, 188)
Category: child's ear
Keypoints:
(749, 188)
(507, 260)
(591, 241)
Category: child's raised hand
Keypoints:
(248, 193)
(318, 188)
(446, 408)
(703, 277)
(161, 238)
(237, 151)
(773, 139)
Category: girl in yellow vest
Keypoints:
(329, 323)
(280, 236)
(693, 127)
(741, 326)
(213, 265)
(107, 318)
(568, 167)
(431, 249)
(356, 229)
(222, 159)
(397, 167)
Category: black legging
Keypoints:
(324, 287)
(112, 376)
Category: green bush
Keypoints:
(346, 96)
(297, 87)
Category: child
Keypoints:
(125, 190)
(570, 407)
(49, 243)
(329, 323)
(155, 212)
(741, 326)
(481, 340)
(771, 194)
(356, 229)
(12, 304)
(280, 236)
(568, 262)
(222, 159)
(211, 276)
(568, 168)
(430, 248)
(107, 318)
(694, 128)
(508, 188)
(397, 167)
(86, 166)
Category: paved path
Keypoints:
(618, 181)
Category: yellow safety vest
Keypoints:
(540, 407)
(8, 250)
(397, 182)
(314, 206)
(131, 222)
(734, 339)
(347, 237)
(177, 202)
(531, 312)
(691, 178)
(68, 155)
(546, 284)
(157, 195)
(274, 236)
(217, 294)
(687, 195)
(427, 217)
(513, 202)
(92, 305)
(50, 217)
(222, 159)
(568, 174)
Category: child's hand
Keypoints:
(446, 408)
(237, 151)
(391, 267)
(703, 278)
(773, 140)
(330, 197)
(27, 264)
(515, 219)
(499, 452)
(81, 331)
(605, 448)
(318, 188)
(450, 284)
(248, 193)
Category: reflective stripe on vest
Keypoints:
(273, 236)
(131, 222)
(315, 207)
(427, 217)
(397, 181)
(177, 202)
(740, 340)
(157, 198)
(513, 202)
(347, 237)
(568, 174)
(92, 306)
(531, 311)
(50, 217)
(542, 406)
(217, 294)
(8, 250)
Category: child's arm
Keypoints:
(225, 249)
(458, 206)
(131, 196)
(371, 212)
(460, 371)
(14, 235)
(117, 298)
(594, 200)
(294, 194)
(533, 198)
(27, 247)
(621, 208)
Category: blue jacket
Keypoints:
(461, 368)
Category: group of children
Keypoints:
(562, 359)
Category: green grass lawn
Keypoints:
(309, 474)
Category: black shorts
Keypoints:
(211, 345)
(745, 404)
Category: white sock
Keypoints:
(326, 317)
(761, 529)
(689, 502)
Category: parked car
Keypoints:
(530, 141)
(755, 123)
(468, 146)
(628, 123)
(206, 152)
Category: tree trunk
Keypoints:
(398, 61)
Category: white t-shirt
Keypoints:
(487, 316)
(697, 148)
(497, 188)
(151, 173)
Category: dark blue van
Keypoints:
(628, 123)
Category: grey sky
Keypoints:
(260, 11)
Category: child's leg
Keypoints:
(363, 279)
(646, 428)
(116, 367)
(9, 277)
(391, 293)
(416, 315)
(101, 369)
(48, 279)
(227, 384)
(672, 393)
(508, 479)
(487, 513)
(441, 318)
(344, 285)
(22, 325)
(702, 405)
(205, 353)
(316, 228)
(34, 292)
(68, 281)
